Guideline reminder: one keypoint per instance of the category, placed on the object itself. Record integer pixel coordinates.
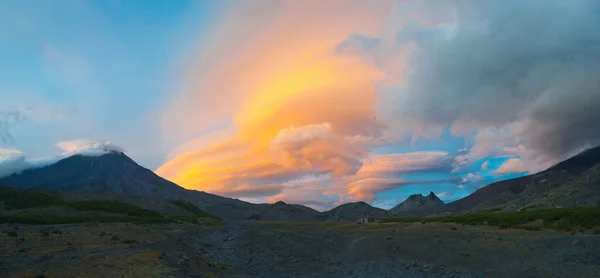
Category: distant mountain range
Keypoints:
(419, 205)
(573, 182)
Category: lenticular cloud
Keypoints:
(88, 147)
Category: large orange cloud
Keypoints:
(286, 104)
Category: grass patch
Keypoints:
(129, 241)
(191, 208)
(114, 207)
(55, 219)
(192, 219)
(565, 219)
(23, 199)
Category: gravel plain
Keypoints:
(286, 249)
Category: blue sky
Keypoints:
(94, 66)
(309, 103)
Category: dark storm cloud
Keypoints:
(532, 66)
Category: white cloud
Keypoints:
(11, 161)
(406, 162)
(513, 165)
(14, 161)
(88, 147)
(444, 194)
(472, 177)
(302, 135)
(484, 165)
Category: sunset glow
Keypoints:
(312, 102)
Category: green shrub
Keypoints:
(22, 199)
(564, 224)
(560, 219)
(191, 208)
(55, 219)
(113, 207)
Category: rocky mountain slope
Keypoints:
(354, 211)
(112, 173)
(281, 211)
(418, 205)
(573, 182)
(115, 173)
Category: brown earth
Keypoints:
(277, 249)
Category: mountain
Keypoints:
(281, 211)
(116, 173)
(111, 173)
(573, 182)
(354, 211)
(418, 205)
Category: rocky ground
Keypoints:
(276, 249)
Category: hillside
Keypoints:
(281, 211)
(419, 205)
(573, 182)
(46, 207)
(118, 175)
(354, 211)
(112, 173)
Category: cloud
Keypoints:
(513, 165)
(490, 142)
(88, 147)
(484, 166)
(406, 162)
(314, 97)
(14, 161)
(365, 189)
(317, 191)
(444, 194)
(472, 177)
(249, 191)
(297, 108)
(297, 137)
(495, 65)
(8, 119)
(11, 161)
(313, 202)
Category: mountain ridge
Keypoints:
(419, 204)
(578, 177)
(116, 173)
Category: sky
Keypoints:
(311, 102)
